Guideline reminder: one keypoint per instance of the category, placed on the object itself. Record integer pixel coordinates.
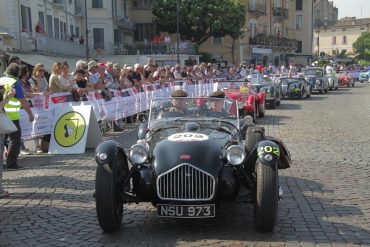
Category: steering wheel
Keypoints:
(171, 111)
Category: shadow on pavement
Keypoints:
(304, 215)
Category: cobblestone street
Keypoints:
(326, 198)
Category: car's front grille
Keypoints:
(186, 183)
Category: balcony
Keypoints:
(256, 8)
(142, 48)
(60, 4)
(280, 13)
(51, 46)
(273, 41)
(127, 24)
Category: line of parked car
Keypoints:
(260, 91)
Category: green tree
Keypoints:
(200, 19)
(342, 54)
(362, 47)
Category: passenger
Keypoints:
(216, 106)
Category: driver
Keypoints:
(179, 104)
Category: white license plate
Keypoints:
(186, 211)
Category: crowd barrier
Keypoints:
(124, 103)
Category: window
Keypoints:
(298, 22)
(97, 4)
(277, 4)
(344, 41)
(49, 20)
(77, 31)
(26, 19)
(56, 28)
(142, 4)
(253, 28)
(144, 31)
(298, 5)
(117, 36)
(217, 40)
(277, 29)
(299, 47)
(42, 19)
(63, 30)
(98, 34)
(71, 30)
(334, 40)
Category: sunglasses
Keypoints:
(41, 70)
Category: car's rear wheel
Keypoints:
(108, 195)
(266, 205)
(254, 135)
(261, 109)
(273, 104)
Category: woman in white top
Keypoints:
(65, 78)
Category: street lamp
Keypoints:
(178, 30)
(318, 39)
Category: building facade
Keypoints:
(334, 38)
(276, 32)
(324, 11)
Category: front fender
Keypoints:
(111, 149)
(268, 152)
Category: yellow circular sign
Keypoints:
(69, 129)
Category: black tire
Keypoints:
(266, 205)
(108, 189)
(262, 112)
(273, 103)
(253, 135)
(300, 97)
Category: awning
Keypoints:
(47, 61)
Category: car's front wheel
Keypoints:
(266, 205)
(108, 191)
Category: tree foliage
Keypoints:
(200, 19)
(362, 47)
(340, 54)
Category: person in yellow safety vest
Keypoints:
(12, 109)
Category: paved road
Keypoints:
(326, 192)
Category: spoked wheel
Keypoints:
(266, 205)
(108, 194)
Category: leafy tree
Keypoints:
(342, 54)
(200, 19)
(362, 47)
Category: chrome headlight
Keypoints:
(235, 155)
(318, 82)
(138, 154)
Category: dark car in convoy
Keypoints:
(295, 88)
(317, 78)
(191, 155)
(272, 92)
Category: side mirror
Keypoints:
(143, 118)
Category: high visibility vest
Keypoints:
(13, 106)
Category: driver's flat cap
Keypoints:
(217, 94)
(179, 93)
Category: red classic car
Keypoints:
(251, 102)
(345, 79)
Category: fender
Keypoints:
(261, 97)
(285, 159)
(111, 148)
(268, 152)
(143, 129)
(250, 104)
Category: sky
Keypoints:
(353, 8)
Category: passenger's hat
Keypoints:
(92, 64)
(217, 94)
(179, 93)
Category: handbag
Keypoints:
(6, 125)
